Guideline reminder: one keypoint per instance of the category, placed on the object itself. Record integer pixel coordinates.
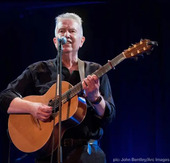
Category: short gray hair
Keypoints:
(69, 16)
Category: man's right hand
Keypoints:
(41, 111)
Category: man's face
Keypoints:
(70, 29)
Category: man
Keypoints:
(40, 76)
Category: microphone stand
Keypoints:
(59, 85)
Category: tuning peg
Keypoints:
(141, 41)
(134, 45)
(148, 53)
(135, 58)
(153, 43)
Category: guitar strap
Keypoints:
(82, 76)
(81, 69)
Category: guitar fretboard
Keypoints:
(100, 72)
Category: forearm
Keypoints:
(19, 105)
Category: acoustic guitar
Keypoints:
(29, 134)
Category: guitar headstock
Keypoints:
(144, 46)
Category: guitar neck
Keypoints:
(108, 66)
(100, 72)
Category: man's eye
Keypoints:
(73, 31)
(61, 31)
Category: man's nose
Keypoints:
(67, 34)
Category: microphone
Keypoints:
(62, 40)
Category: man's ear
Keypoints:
(82, 41)
(54, 40)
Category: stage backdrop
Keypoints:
(141, 130)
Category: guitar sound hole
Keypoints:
(55, 110)
(52, 103)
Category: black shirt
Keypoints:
(40, 76)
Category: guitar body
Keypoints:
(31, 135)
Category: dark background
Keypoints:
(140, 88)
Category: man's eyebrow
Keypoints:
(61, 28)
(73, 29)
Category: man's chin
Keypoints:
(67, 50)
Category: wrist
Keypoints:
(97, 100)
